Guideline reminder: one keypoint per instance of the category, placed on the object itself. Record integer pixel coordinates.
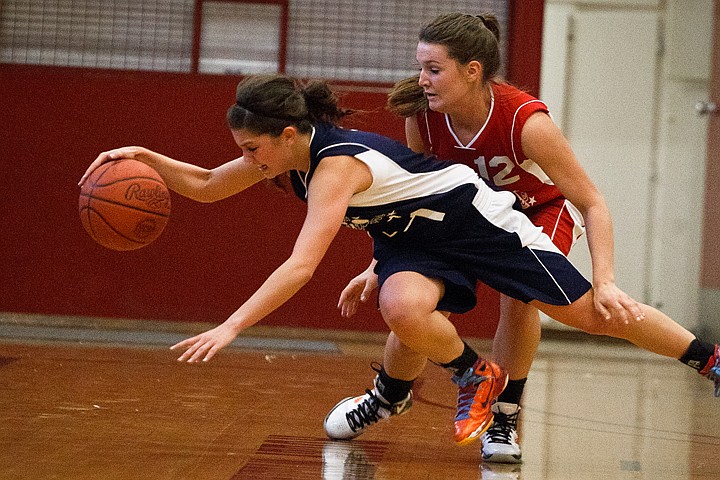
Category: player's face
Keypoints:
(271, 155)
(441, 77)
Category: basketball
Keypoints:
(124, 205)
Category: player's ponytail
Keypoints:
(322, 103)
(407, 98)
(267, 104)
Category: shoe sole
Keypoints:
(474, 436)
(502, 458)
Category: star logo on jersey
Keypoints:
(359, 223)
(526, 201)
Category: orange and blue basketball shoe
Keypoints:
(478, 387)
(352, 415)
(712, 370)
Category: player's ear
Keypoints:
(289, 133)
(474, 70)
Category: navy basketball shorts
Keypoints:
(491, 243)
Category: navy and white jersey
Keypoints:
(441, 220)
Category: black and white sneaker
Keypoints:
(352, 415)
(499, 442)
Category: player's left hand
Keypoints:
(612, 302)
(204, 346)
(115, 154)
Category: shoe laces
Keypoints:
(365, 413)
(502, 429)
(468, 384)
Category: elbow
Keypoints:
(204, 198)
(302, 271)
(305, 273)
(204, 189)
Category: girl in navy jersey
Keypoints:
(459, 110)
(437, 230)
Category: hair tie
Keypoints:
(271, 117)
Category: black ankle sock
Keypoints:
(698, 354)
(513, 391)
(466, 360)
(392, 389)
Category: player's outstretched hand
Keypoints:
(204, 346)
(613, 303)
(358, 290)
(116, 154)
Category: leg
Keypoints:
(409, 309)
(514, 347)
(517, 337)
(408, 304)
(657, 333)
(400, 361)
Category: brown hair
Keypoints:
(467, 38)
(266, 104)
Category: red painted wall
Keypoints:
(210, 257)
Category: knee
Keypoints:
(403, 313)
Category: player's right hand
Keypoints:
(115, 154)
(358, 290)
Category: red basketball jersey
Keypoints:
(495, 151)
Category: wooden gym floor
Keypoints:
(99, 399)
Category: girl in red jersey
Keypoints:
(458, 109)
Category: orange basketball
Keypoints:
(124, 205)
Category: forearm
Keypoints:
(183, 178)
(279, 287)
(601, 244)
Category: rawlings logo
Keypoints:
(156, 198)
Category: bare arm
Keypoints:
(192, 181)
(335, 181)
(543, 142)
(412, 135)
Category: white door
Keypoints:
(608, 114)
(624, 91)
